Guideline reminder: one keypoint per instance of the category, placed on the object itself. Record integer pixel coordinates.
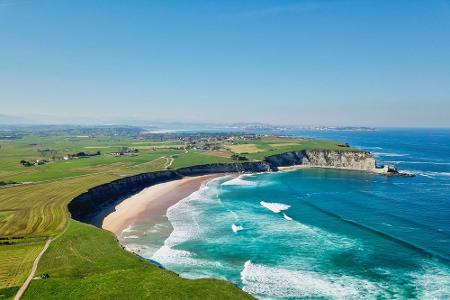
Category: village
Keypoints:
(198, 141)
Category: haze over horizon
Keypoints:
(349, 63)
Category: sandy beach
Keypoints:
(293, 167)
(152, 201)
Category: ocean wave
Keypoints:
(419, 162)
(389, 154)
(287, 217)
(128, 229)
(183, 217)
(268, 281)
(433, 283)
(239, 181)
(368, 148)
(169, 256)
(131, 237)
(275, 207)
(184, 214)
(429, 174)
(236, 228)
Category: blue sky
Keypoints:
(374, 63)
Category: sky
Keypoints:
(347, 63)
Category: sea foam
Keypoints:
(239, 181)
(287, 217)
(236, 228)
(183, 218)
(389, 154)
(275, 207)
(268, 281)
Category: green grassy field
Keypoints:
(85, 260)
(259, 149)
(89, 261)
(15, 263)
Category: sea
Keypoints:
(319, 233)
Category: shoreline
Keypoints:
(152, 201)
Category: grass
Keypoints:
(245, 148)
(273, 145)
(86, 260)
(193, 158)
(41, 209)
(15, 263)
(89, 261)
(12, 152)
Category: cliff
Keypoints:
(93, 205)
(353, 160)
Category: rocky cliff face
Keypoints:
(90, 206)
(354, 160)
(93, 205)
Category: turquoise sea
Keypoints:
(315, 233)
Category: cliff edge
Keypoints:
(93, 205)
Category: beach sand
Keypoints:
(293, 167)
(152, 201)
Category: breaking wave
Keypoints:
(284, 283)
(420, 162)
(236, 228)
(239, 181)
(429, 174)
(275, 207)
(287, 217)
(389, 154)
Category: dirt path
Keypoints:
(169, 161)
(24, 286)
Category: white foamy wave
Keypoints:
(446, 174)
(275, 207)
(131, 237)
(267, 281)
(184, 214)
(236, 228)
(128, 229)
(419, 162)
(368, 148)
(433, 283)
(238, 181)
(428, 174)
(168, 256)
(183, 217)
(287, 217)
(389, 154)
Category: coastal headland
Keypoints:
(54, 190)
(111, 207)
